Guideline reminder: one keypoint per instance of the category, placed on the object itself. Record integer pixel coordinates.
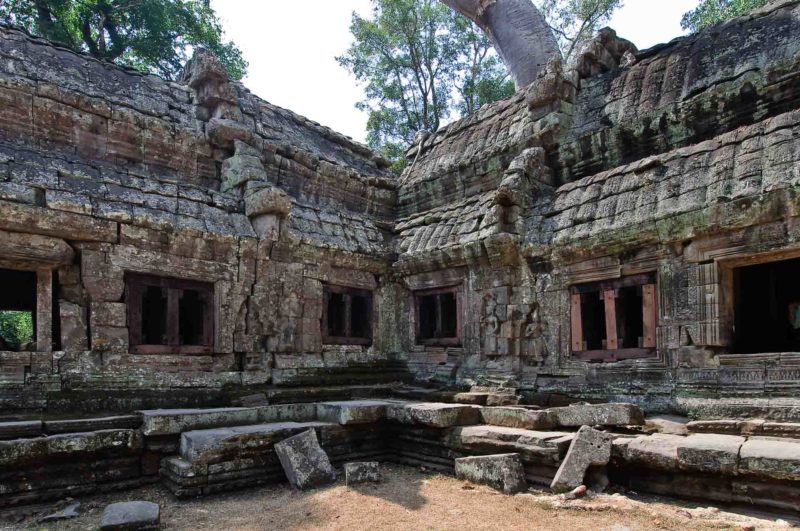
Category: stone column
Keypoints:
(44, 310)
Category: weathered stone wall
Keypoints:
(105, 171)
(681, 161)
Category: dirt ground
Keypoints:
(409, 498)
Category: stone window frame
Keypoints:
(43, 319)
(348, 292)
(724, 299)
(608, 288)
(439, 341)
(135, 282)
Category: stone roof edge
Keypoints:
(327, 132)
(760, 12)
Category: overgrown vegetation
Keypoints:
(151, 35)
(711, 12)
(422, 64)
(16, 329)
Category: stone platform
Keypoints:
(204, 451)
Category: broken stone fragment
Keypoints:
(223, 132)
(128, 516)
(304, 461)
(70, 511)
(361, 472)
(501, 471)
(203, 67)
(613, 414)
(590, 447)
(267, 200)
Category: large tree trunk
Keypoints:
(518, 31)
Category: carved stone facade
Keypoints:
(681, 162)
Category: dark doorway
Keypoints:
(593, 317)
(767, 307)
(17, 310)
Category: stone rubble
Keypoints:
(589, 448)
(131, 516)
(502, 471)
(304, 461)
(361, 472)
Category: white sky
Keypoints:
(291, 45)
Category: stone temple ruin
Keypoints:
(624, 232)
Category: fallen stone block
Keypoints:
(772, 458)
(68, 512)
(517, 417)
(538, 446)
(304, 461)
(615, 414)
(502, 399)
(710, 452)
(501, 471)
(175, 421)
(352, 412)
(127, 516)
(435, 414)
(361, 472)
(590, 447)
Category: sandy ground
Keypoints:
(408, 498)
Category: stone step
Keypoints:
(354, 411)
(20, 429)
(224, 444)
(437, 415)
(539, 446)
(753, 427)
(37, 451)
(158, 422)
(719, 454)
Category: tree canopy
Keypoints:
(710, 12)
(422, 63)
(151, 35)
(576, 21)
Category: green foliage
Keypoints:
(420, 64)
(16, 328)
(575, 21)
(711, 12)
(152, 35)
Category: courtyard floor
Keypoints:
(412, 499)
